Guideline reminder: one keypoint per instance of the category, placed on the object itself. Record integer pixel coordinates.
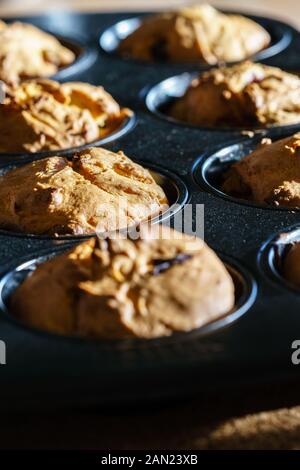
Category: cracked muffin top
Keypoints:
(198, 33)
(246, 94)
(269, 175)
(97, 190)
(28, 52)
(150, 287)
(41, 115)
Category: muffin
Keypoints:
(193, 34)
(28, 52)
(268, 175)
(291, 265)
(245, 94)
(96, 190)
(161, 283)
(42, 115)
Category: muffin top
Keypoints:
(150, 287)
(246, 94)
(40, 115)
(269, 175)
(97, 190)
(197, 33)
(28, 52)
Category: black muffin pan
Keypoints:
(252, 343)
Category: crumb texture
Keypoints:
(247, 94)
(198, 33)
(98, 189)
(51, 116)
(145, 288)
(28, 52)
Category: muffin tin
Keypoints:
(84, 56)
(210, 168)
(160, 97)
(245, 294)
(280, 36)
(48, 371)
(273, 252)
(126, 126)
(174, 188)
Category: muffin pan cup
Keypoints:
(126, 126)
(272, 254)
(45, 370)
(210, 168)
(160, 97)
(280, 33)
(85, 53)
(245, 294)
(174, 188)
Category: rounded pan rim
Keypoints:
(117, 32)
(268, 254)
(162, 93)
(86, 55)
(243, 305)
(178, 186)
(85, 52)
(126, 126)
(225, 152)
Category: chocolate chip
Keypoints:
(159, 50)
(161, 265)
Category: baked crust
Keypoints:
(199, 33)
(98, 189)
(246, 94)
(28, 52)
(269, 175)
(40, 115)
(145, 288)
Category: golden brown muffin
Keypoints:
(269, 175)
(98, 189)
(197, 33)
(28, 52)
(40, 115)
(291, 265)
(246, 94)
(161, 283)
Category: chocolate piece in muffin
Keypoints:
(40, 115)
(98, 189)
(28, 52)
(269, 175)
(291, 265)
(246, 94)
(156, 285)
(198, 33)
